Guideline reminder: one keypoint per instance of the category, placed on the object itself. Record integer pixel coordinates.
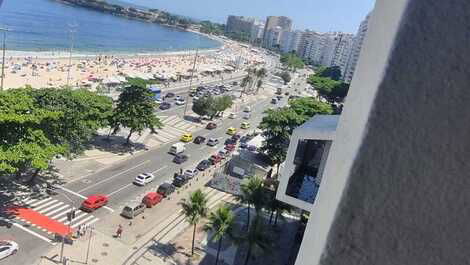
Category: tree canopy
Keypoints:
(286, 77)
(135, 110)
(211, 106)
(333, 72)
(327, 82)
(292, 61)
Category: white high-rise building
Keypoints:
(356, 50)
(290, 41)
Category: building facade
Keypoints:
(240, 25)
(356, 50)
(274, 28)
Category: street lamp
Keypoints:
(4, 30)
(71, 32)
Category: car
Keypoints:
(247, 109)
(214, 159)
(287, 93)
(243, 145)
(191, 173)
(231, 131)
(165, 189)
(213, 142)
(169, 95)
(230, 147)
(7, 248)
(187, 137)
(199, 140)
(245, 125)
(165, 106)
(274, 101)
(144, 179)
(252, 148)
(158, 101)
(94, 202)
(279, 97)
(196, 97)
(246, 116)
(180, 158)
(180, 102)
(180, 180)
(230, 141)
(211, 126)
(151, 199)
(246, 138)
(223, 153)
(203, 165)
(232, 115)
(178, 98)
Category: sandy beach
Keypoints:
(51, 69)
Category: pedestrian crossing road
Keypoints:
(49, 215)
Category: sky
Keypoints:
(319, 15)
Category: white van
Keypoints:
(247, 109)
(177, 148)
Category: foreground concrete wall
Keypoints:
(396, 187)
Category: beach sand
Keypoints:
(47, 69)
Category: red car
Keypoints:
(94, 202)
(152, 199)
(230, 147)
(214, 159)
(211, 126)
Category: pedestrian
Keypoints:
(82, 230)
(119, 231)
(79, 231)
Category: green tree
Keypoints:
(285, 77)
(135, 110)
(202, 106)
(246, 81)
(307, 107)
(83, 113)
(252, 194)
(256, 239)
(333, 72)
(222, 103)
(292, 61)
(220, 224)
(194, 209)
(329, 88)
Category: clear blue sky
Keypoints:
(320, 15)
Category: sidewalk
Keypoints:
(157, 226)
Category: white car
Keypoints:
(178, 98)
(144, 179)
(158, 101)
(7, 248)
(180, 102)
(213, 142)
(190, 173)
(232, 116)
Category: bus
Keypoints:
(157, 93)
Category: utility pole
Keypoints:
(191, 81)
(71, 32)
(89, 243)
(3, 55)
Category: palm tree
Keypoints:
(256, 239)
(220, 223)
(252, 193)
(194, 209)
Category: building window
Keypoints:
(308, 161)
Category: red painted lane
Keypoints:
(40, 220)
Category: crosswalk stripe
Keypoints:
(30, 201)
(166, 134)
(179, 124)
(170, 118)
(81, 214)
(42, 206)
(161, 138)
(186, 126)
(51, 207)
(82, 221)
(170, 123)
(40, 202)
(60, 214)
(92, 222)
(176, 130)
(56, 210)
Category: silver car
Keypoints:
(7, 248)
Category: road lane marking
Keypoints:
(28, 231)
(39, 202)
(56, 210)
(120, 173)
(83, 221)
(162, 168)
(120, 189)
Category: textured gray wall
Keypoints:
(407, 195)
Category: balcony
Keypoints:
(300, 178)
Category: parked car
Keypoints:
(191, 173)
(274, 101)
(144, 179)
(169, 95)
(245, 125)
(230, 141)
(180, 158)
(151, 199)
(247, 109)
(187, 137)
(180, 102)
(213, 142)
(199, 139)
(236, 137)
(7, 248)
(132, 209)
(245, 138)
(203, 165)
(223, 153)
(178, 98)
(214, 159)
(211, 126)
(94, 202)
(166, 189)
(230, 147)
(180, 180)
(165, 106)
(232, 115)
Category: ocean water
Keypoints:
(46, 25)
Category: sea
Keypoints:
(52, 26)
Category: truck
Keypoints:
(177, 148)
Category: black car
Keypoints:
(236, 137)
(180, 180)
(165, 105)
(180, 158)
(203, 165)
(169, 95)
(230, 141)
(166, 189)
(245, 139)
(199, 140)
